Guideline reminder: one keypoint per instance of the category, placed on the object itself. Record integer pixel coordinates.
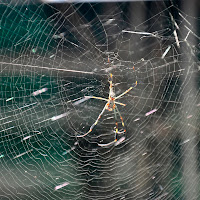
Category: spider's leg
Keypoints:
(87, 98)
(95, 123)
(122, 121)
(126, 91)
(93, 97)
(122, 104)
(116, 123)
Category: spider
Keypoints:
(111, 105)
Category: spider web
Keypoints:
(53, 56)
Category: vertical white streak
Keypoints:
(166, 51)
(22, 154)
(184, 18)
(175, 24)
(151, 112)
(176, 38)
(61, 186)
(58, 116)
